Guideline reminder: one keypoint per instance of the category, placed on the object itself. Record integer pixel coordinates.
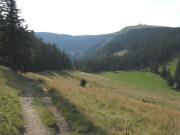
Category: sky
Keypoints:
(92, 17)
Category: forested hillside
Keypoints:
(75, 46)
(20, 49)
(143, 46)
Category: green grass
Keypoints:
(76, 120)
(11, 117)
(143, 79)
(115, 101)
(46, 116)
(145, 82)
(171, 63)
(121, 53)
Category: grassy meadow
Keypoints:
(11, 117)
(112, 103)
(115, 102)
(46, 116)
(121, 53)
(171, 63)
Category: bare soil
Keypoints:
(34, 124)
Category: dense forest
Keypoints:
(145, 46)
(20, 49)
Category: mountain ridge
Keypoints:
(73, 45)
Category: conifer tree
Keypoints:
(177, 73)
(167, 74)
(163, 72)
(156, 69)
(178, 84)
(170, 80)
(2, 28)
(17, 39)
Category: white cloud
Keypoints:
(97, 16)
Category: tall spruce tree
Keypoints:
(177, 73)
(156, 68)
(163, 72)
(170, 79)
(2, 28)
(18, 49)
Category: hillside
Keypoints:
(114, 101)
(111, 103)
(135, 47)
(74, 45)
(138, 35)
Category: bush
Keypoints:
(83, 83)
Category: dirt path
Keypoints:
(32, 119)
(64, 129)
(34, 125)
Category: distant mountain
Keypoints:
(138, 35)
(76, 46)
(135, 47)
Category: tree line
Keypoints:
(20, 49)
(172, 81)
(145, 47)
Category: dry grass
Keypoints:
(114, 106)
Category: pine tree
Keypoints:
(167, 74)
(170, 80)
(2, 29)
(163, 72)
(177, 73)
(11, 33)
(178, 84)
(18, 40)
(156, 69)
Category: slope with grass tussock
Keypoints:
(114, 103)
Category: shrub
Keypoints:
(83, 83)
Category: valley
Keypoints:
(112, 102)
(118, 83)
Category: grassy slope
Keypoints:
(113, 101)
(172, 63)
(46, 115)
(121, 53)
(11, 118)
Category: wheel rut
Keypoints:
(34, 125)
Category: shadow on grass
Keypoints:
(15, 80)
(175, 89)
(75, 119)
(55, 73)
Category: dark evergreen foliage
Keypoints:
(154, 68)
(177, 73)
(178, 85)
(177, 76)
(145, 47)
(49, 57)
(20, 49)
(163, 73)
(170, 79)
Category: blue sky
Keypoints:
(79, 17)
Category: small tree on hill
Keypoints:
(156, 68)
(177, 84)
(177, 73)
(170, 80)
(163, 72)
(167, 74)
